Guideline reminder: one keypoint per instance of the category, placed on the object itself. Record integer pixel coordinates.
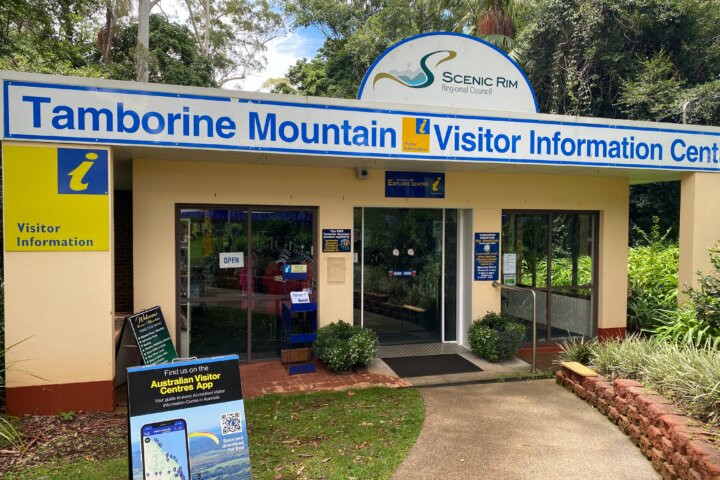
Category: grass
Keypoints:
(360, 434)
(333, 435)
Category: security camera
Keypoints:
(362, 173)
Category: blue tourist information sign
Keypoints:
(487, 255)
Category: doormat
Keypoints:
(430, 365)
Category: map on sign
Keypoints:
(165, 451)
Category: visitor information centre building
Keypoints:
(401, 208)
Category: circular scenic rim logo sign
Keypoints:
(449, 70)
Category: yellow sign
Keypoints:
(56, 199)
(415, 134)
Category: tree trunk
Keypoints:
(142, 68)
(105, 36)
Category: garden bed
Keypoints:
(677, 445)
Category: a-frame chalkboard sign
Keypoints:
(144, 340)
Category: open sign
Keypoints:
(232, 260)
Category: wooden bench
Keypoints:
(412, 309)
(579, 369)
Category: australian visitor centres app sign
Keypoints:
(187, 421)
(49, 112)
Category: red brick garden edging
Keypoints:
(677, 445)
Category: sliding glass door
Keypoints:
(230, 287)
(402, 290)
(555, 254)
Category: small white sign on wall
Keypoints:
(299, 297)
(509, 268)
(232, 260)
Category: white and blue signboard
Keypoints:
(219, 120)
(415, 184)
(336, 240)
(187, 421)
(487, 256)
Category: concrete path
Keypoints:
(519, 430)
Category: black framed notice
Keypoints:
(144, 340)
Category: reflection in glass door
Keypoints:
(553, 253)
(230, 285)
(399, 284)
(278, 238)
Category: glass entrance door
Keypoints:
(400, 290)
(554, 254)
(230, 284)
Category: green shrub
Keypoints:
(684, 326)
(342, 346)
(576, 350)
(684, 373)
(652, 279)
(622, 358)
(697, 322)
(706, 298)
(687, 375)
(495, 337)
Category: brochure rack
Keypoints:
(299, 331)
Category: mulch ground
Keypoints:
(92, 436)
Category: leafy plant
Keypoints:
(684, 326)
(562, 271)
(706, 298)
(67, 416)
(576, 350)
(652, 279)
(687, 374)
(495, 337)
(9, 435)
(622, 358)
(342, 346)
(697, 322)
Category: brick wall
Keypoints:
(123, 251)
(676, 445)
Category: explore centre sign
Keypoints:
(229, 121)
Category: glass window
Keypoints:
(552, 253)
(573, 238)
(525, 249)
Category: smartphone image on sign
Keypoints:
(165, 454)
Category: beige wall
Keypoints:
(58, 315)
(159, 185)
(699, 224)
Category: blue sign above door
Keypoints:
(415, 184)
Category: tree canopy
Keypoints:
(619, 58)
(223, 40)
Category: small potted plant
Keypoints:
(495, 337)
(342, 346)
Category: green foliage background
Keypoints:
(652, 279)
